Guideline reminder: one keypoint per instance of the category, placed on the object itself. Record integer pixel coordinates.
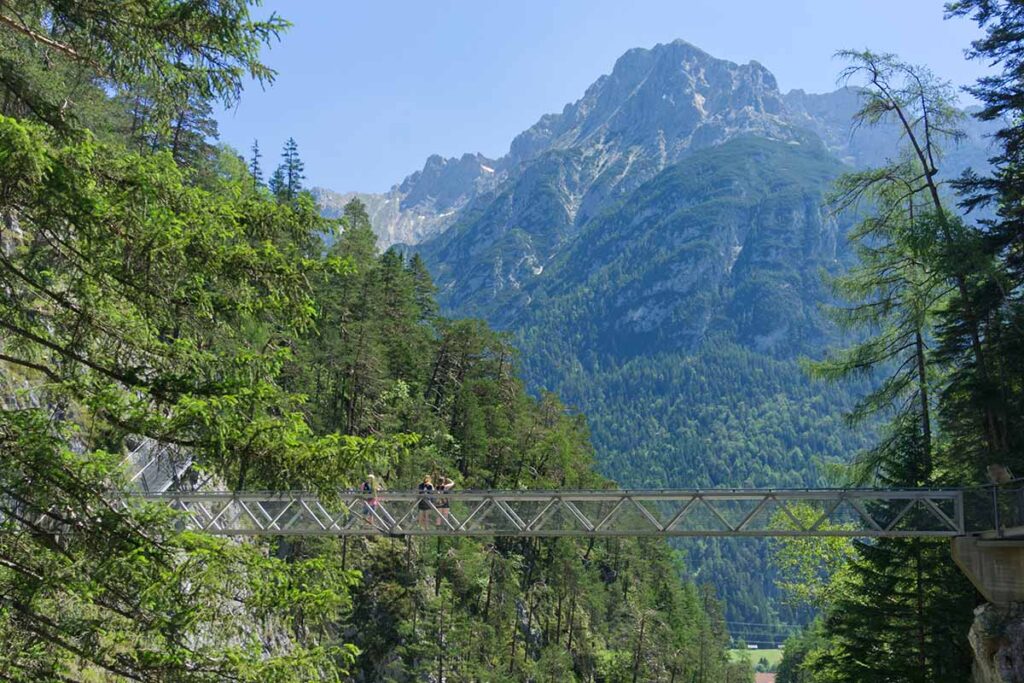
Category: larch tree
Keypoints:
(882, 620)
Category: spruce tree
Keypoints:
(292, 168)
(906, 609)
(424, 287)
(995, 390)
(358, 240)
(135, 306)
(191, 130)
(278, 185)
(286, 181)
(255, 170)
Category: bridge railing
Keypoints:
(995, 510)
(716, 512)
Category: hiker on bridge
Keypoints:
(443, 504)
(371, 488)
(426, 491)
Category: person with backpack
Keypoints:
(371, 488)
(426, 491)
(445, 485)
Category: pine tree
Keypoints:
(255, 170)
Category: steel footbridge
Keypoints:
(985, 525)
(879, 513)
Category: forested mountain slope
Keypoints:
(382, 362)
(656, 250)
(675, 321)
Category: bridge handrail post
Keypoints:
(997, 522)
(961, 519)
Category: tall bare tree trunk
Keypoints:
(926, 424)
(639, 647)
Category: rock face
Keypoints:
(997, 638)
(424, 204)
(731, 238)
(829, 116)
(655, 108)
(630, 124)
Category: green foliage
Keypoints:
(695, 383)
(89, 586)
(255, 169)
(984, 400)
(812, 570)
(136, 304)
(381, 361)
(802, 657)
(204, 50)
(286, 182)
(151, 290)
(182, 340)
(923, 292)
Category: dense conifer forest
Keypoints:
(153, 287)
(937, 289)
(157, 287)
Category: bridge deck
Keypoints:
(716, 512)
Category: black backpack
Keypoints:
(425, 489)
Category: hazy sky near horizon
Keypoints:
(370, 89)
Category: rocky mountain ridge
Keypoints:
(652, 108)
(422, 205)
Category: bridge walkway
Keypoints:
(879, 513)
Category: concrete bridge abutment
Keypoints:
(996, 568)
(994, 565)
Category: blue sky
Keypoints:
(370, 89)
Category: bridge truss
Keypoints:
(604, 513)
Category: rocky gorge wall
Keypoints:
(997, 638)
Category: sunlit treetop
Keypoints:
(198, 48)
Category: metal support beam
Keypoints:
(718, 512)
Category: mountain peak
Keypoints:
(660, 98)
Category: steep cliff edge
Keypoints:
(997, 638)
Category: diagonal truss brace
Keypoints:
(717, 512)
